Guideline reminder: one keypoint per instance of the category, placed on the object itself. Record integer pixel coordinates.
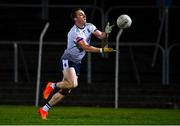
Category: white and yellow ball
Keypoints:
(124, 21)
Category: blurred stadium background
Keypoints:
(149, 67)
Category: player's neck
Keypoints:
(81, 26)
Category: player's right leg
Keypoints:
(69, 82)
(70, 73)
(70, 79)
(49, 88)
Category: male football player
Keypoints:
(78, 43)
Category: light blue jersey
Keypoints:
(73, 52)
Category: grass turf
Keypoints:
(27, 115)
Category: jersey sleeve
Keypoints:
(77, 37)
(92, 28)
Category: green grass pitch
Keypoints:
(27, 115)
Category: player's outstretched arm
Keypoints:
(103, 35)
(93, 49)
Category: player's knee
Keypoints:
(73, 84)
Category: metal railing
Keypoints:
(100, 10)
(168, 55)
(165, 57)
(104, 18)
(39, 62)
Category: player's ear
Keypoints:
(75, 19)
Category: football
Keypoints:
(124, 21)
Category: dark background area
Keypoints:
(26, 23)
(140, 83)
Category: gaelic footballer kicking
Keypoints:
(78, 43)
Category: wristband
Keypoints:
(101, 50)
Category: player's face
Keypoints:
(80, 17)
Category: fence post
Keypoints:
(15, 62)
(117, 67)
(39, 63)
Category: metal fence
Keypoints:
(105, 16)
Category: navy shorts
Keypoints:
(64, 63)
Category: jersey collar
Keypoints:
(79, 27)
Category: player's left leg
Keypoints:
(69, 76)
(69, 82)
(57, 97)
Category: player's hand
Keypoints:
(105, 49)
(108, 28)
